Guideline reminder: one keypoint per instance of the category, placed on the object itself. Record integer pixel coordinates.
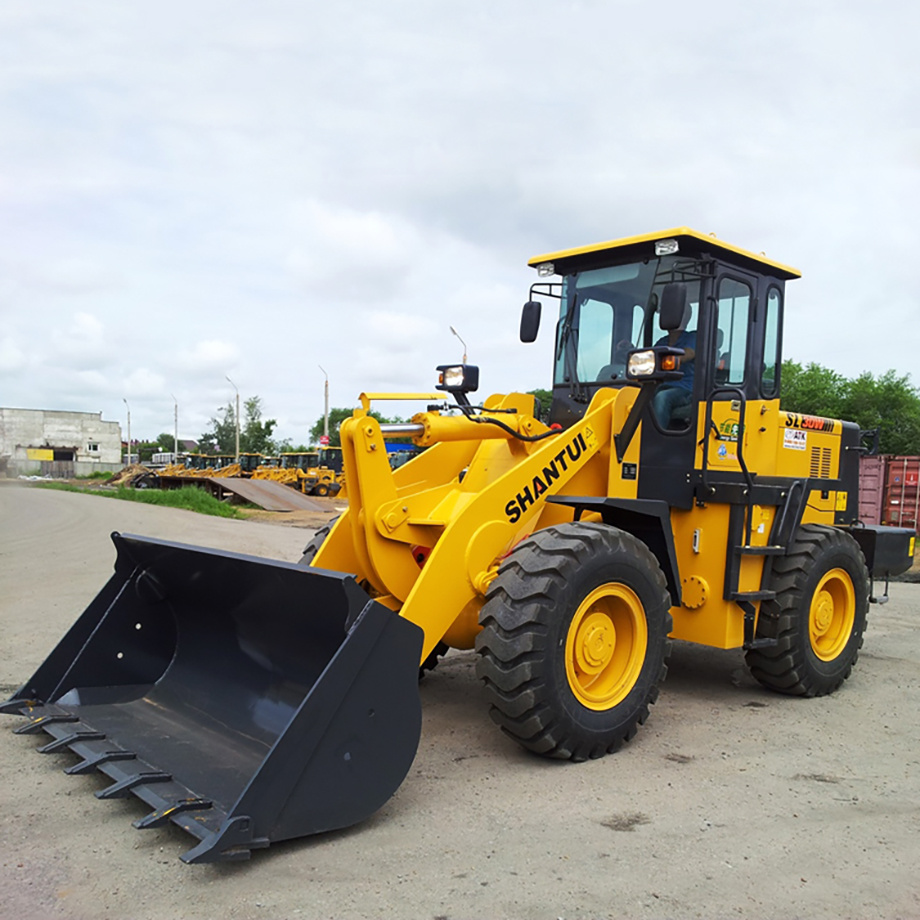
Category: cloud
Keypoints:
(208, 356)
(203, 189)
(12, 357)
(81, 344)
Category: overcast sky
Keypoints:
(197, 190)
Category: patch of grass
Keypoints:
(97, 475)
(190, 498)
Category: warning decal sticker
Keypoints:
(795, 439)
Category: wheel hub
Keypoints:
(595, 642)
(606, 646)
(832, 614)
(824, 612)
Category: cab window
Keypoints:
(603, 318)
(733, 312)
(771, 356)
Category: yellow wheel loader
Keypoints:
(667, 496)
(325, 475)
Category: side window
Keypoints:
(771, 358)
(605, 336)
(734, 309)
(595, 325)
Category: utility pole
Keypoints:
(237, 419)
(175, 430)
(125, 401)
(326, 410)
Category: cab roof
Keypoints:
(689, 242)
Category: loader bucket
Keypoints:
(248, 701)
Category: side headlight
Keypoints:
(659, 363)
(458, 378)
(641, 364)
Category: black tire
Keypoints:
(315, 542)
(434, 656)
(574, 596)
(818, 617)
(321, 489)
(309, 553)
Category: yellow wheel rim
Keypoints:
(832, 614)
(606, 646)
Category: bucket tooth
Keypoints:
(124, 787)
(18, 707)
(39, 724)
(232, 843)
(96, 760)
(251, 700)
(67, 740)
(162, 816)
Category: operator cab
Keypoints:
(611, 297)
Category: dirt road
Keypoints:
(730, 802)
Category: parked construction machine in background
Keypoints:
(326, 476)
(251, 701)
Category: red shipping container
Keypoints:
(872, 481)
(902, 494)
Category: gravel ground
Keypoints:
(730, 802)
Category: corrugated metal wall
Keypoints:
(889, 490)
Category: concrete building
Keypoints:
(61, 444)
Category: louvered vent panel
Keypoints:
(821, 458)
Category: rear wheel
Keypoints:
(315, 542)
(574, 640)
(434, 656)
(818, 617)
(309, 553)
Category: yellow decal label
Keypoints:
(808, 422)
(841, 503)
(728, 430)
(911, 551)
(568, 459)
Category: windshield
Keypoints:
(605, 313)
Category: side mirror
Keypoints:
(530, 320)
(673, 305)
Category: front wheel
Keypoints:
(818, 618)
(574, 640)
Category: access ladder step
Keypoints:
(753, 596)
(761, 642)
(760, 550)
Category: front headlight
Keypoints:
(451, 378)
(641, 364)
(458, 378)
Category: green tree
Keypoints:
(545, 398)
(336, 417)
(812, 390)
(887, 402)
(220, 438)
(255, 434)
(145, 450)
